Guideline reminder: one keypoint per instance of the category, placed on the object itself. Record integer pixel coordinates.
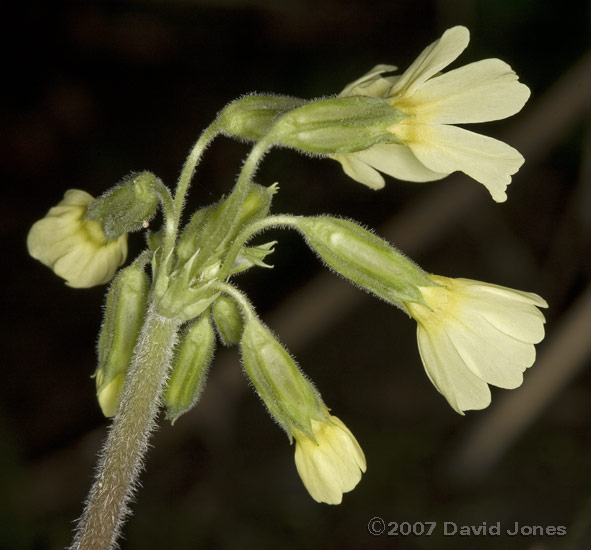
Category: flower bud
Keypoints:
(214, 220)
(75, 248)
(289, 396)
(365, 259)
(189, 368)
(328, 458)
(337, 125)
(255, 206)
(124, 315)
(250, 117)
(127, 206)
(228, 320)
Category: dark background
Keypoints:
(94, 90)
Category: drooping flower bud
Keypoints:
(189, 369)
(124, 315)
(290, 397)
(213, 222)
(74, 247)
(250, 117)
(328, 458)
(127, 206)
(255, 206)
(228, 320)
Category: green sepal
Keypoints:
(228, 320)
(126, 207)
(289, 396)
(337, 125)
(124, 314)
(192, 358)
(250, 117)
(365, 259)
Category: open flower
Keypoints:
(429, 147)
(74, 248)
(472, 334)
(331, 464)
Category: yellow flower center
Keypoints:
(441, 303)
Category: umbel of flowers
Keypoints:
(166, 310)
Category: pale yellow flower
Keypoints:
(74, 248)
(429, 147)
(332, 464)
(472, 334)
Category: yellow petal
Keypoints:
(478, 92)
(397, 161)
(434, 58)
(359, 171)
(371, 83)
(463, 389)
(446, 149)
(332, 464)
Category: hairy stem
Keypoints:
(121, 459)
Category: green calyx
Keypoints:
(289, 396)
(124, 314)
(128, 206)
(193, 355)
(364, 258)
(228, 320)
(337, 125)
(252, 116)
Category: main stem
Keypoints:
(121, 459)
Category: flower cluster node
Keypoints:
(470, 334)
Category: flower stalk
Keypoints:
(122, 457)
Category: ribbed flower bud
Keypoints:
(228, 320)
(189, 369)
(213, 220)
(328, 458)
(365, 259)
(127, 206)
(290, 397)
(250, 117)
(124, 315)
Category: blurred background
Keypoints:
(95, 90)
